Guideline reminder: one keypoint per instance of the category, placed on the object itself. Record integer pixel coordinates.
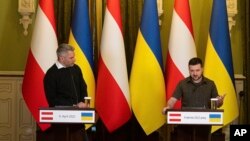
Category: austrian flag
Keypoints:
(46, 116)
(176, 117)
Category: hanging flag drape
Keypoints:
(112, 98)
(41, 56)
(181, 47)
(218, 64)
(80, 38)
(147, 85)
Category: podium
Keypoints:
(193, 124)
(67, 123)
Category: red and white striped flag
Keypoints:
(41, 56)
(175, 117)
(181, 47)
(112, 98)
(47, 116)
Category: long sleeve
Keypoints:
(50, 88)
(80, 83)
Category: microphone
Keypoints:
(74, 86)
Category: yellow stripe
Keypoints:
(147, 88)
(87, 118)
(214, 119)
(215, 70)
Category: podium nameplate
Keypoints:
(66, 115)
(201, 117)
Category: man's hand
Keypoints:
(82, 105)
(164, 110)
(170, 104)
(220, 100)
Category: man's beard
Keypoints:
(197, 78)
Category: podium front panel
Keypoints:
(66, 115)
(200, 117)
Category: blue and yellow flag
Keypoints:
(147, 86)
(80, 38)
(218, 64)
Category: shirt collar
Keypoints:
(59, 65)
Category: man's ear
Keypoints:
(60, 58)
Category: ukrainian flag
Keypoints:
(218, 64)
(147, 86)
(87, 116)
(80, 39)
(215, 117)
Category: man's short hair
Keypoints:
(63, 48)
(195, 61)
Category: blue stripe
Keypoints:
(214, 116)
(150, 29)
(81, 29)
(219, 34)
(87, 114)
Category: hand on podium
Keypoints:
(81, 105)
(170, 105)
(164, 110)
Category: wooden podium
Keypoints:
(67, 123)
(193, 124)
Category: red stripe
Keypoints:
(33, 92)
(174, 119)
(47, 118)
(47, 113)
(173, 76)
(172, 115)
(47, 7)
(110, 101)
(183, 10)
(114, 8)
